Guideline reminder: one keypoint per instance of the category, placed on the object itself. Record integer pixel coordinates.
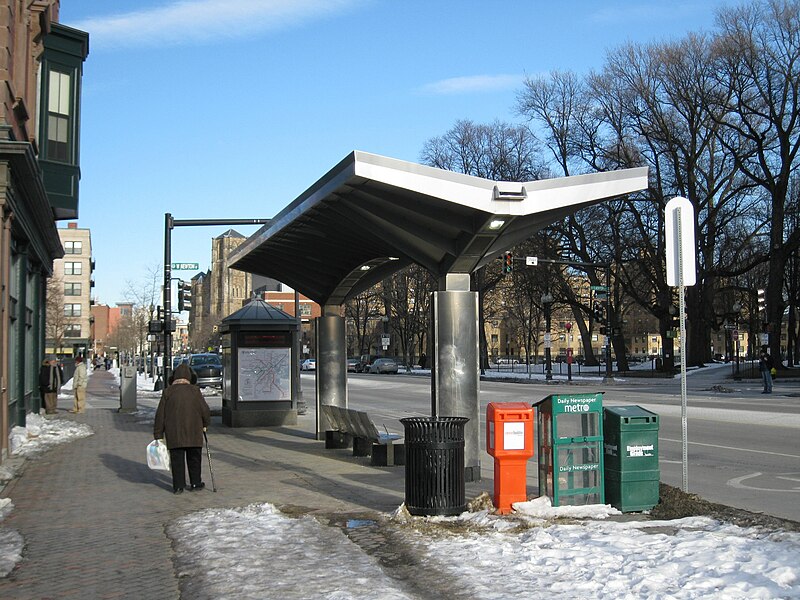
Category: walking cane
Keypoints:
(210, 468)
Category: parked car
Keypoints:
(364, 363)
(352, 364)
(176, 360)
(504, 360)
(208, 368)
(309, 364)
(383, 365)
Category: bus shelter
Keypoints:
(371, 216)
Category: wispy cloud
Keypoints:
(194, 21)
(472, 84)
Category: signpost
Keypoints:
(186, 266)
(681, 271)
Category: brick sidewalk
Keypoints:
(93, 515)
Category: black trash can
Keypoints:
(435, 465)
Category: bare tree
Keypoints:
(498, 151)
(407, 296)
(362, 312)
(55, 319)
(757, 53)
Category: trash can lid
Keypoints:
(630, 414)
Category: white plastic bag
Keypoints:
(158, 456)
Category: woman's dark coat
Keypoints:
(182, 413)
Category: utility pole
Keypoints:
(169, 224)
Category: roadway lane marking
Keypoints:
(737, 482)
(733, 448)
(789, 478)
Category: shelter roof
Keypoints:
(371, 215)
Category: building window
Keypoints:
(73, 247)
(72, 289)
(72, 310)
(73, 268)
(305, 310)
(58, 116)
(72, 331)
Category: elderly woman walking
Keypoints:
(182, 416)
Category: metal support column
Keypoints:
(297, 385)
(455, 381)
(331, 370)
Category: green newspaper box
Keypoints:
(631, 457)
(570, 435)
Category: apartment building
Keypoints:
(68, 328)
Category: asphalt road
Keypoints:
(743, 447)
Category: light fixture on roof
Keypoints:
(510, 191)
(365, 267)
(496, 224)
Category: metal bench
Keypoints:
(348, 426)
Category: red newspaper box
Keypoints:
(509, 439)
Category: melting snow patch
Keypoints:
(11, 544)
(257, 552)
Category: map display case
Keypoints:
(260, 366)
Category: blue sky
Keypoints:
(229, 109)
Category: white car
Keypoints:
(309, 364)
(507, 361)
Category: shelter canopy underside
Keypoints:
(382, 213)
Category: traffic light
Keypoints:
(184, 296)
(762, 300)
(598, 311)
(508, 263)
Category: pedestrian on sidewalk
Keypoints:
(80, 379)
(765, 366)
(182, 416)
(51, 378)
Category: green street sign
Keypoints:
(185, 266)
(598, 288)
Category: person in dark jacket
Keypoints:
(51, 378)
(765, 366)
(181, 417)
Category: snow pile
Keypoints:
(542, 508)
(691, 558)
(40, 434)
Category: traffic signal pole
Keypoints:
(169, 224)
(167, 301)
(534, 261)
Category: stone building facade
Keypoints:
(218, 292)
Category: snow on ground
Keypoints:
(257, 552)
